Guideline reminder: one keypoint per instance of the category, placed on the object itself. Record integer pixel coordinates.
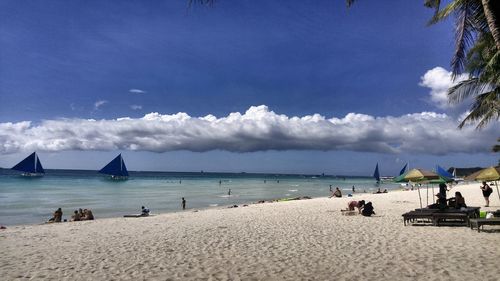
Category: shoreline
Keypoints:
(291, 240)
(228, 206)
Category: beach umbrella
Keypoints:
(418, 176)
(488, 174)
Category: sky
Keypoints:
(254, 86)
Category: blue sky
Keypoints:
(64, 62)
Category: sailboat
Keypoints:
(443, 173)
(455, 178)
(30, 166)
(116, 169)
(376, 174)
(403, 170)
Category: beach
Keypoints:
(293, 240)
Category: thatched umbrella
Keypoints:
(488, 174)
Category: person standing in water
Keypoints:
(183, 203)
(229, 192)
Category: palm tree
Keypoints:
(476, 53)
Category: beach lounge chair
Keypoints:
(481, 222)
(448, 218)
(417, 216)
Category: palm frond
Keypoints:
(433, 4)
(465, 89)
(485, 108)
(445, 12)
(491, 70)
(464, 36)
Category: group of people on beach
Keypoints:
(338, 193)
(364, 208)
(78, 215)
(458, 201)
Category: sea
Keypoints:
(33, 200)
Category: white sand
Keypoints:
(296, 240)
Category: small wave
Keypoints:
(293, 190)
(213, 205)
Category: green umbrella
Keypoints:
(420, 176)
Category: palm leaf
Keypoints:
(465, 89)
(485, 108)
(464, 36)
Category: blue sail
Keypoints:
(442, 172)
(403, 170)
(115, 168)
(30, 164)
(376, 174)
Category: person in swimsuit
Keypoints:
(75, 216)
(336, 193)
(356, 204)
(57, 216)
(487, 190)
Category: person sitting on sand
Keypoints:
(57, 216)
(356, 204)
(144, 211)
(76, 216)
(385, 191)
(378, 191)
(88, 215)
(336, 193)
(459, 201)
(368, 210)
(80, 212)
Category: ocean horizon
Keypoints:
(33, 200)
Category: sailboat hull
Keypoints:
(32, 175)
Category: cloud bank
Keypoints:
(258, 129)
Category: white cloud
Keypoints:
(136, 107)
(439, 80)
(137, 91)
(258, 129)
(99, 103)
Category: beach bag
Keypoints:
(488, 191)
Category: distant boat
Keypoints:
(30, 166)
(403, 170)
(455, 178)
(376, 174)
(442, 172)
(116, 169)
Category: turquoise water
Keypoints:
(33, 200)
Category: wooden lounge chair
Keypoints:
(418, 216)
(481, 222)
(440, 218)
